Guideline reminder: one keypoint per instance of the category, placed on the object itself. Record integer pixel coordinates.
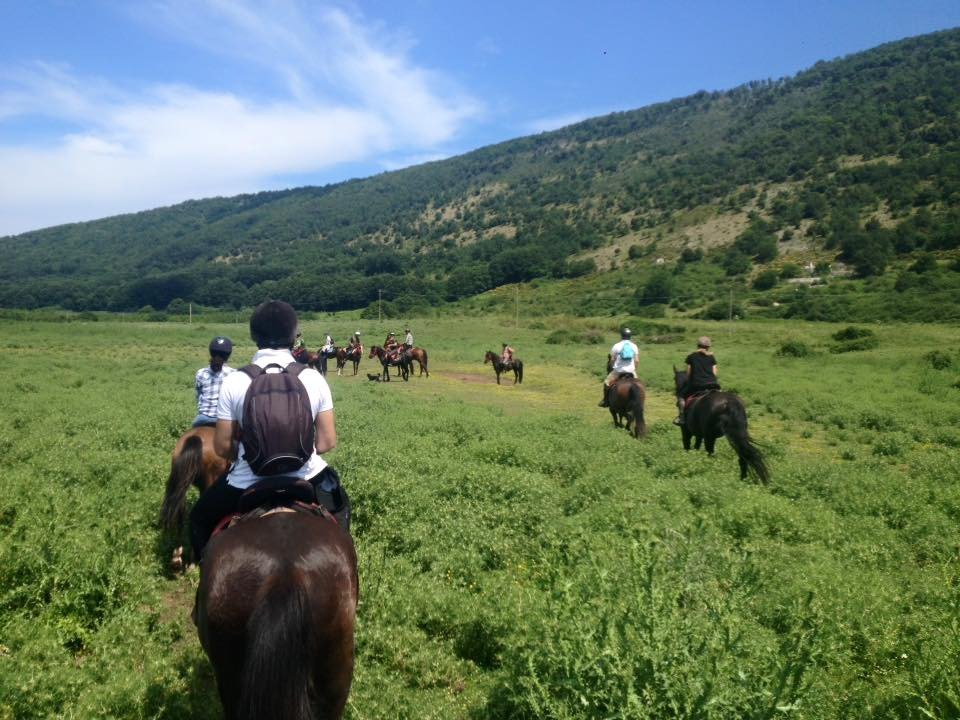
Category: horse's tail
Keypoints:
(276, 673)
(519, 365)
(184, 471)
(734, 426)
(637, 400)
(425, 368)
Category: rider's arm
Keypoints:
(326, 432)
(224, 437)
(689, 371)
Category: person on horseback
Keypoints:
(408, 340)
(622, 360)
(354, 346)
(209, 379)
(328, 345)
(273, 328)
(701, 375)
(506, 355)
(391, 346)
(299, 347)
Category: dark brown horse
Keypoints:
(626, 398)
(307, 357)
(352, 354)
(400, 360)
(275, 612)
(195, 463)
(418, 355)
(499, 366)
(715, 414)
(322, 357)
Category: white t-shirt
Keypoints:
(621, 365)
(230, 407)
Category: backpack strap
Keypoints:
(295, 368)
(252, 370)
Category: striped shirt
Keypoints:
(208, 389)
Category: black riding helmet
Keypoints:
(221, 346)
(625, 333)
(273, 325)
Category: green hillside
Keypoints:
(851, 168)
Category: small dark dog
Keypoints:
(373, 378)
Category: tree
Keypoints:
(657, 290)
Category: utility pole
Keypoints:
(191, 314)
(379, 306)
(516, 307)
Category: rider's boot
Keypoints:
(604, 402)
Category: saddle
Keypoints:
(273, 495)
(691, 399)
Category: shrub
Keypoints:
(938, 360)
(852, 333)
(790, 270)
(864, 343)
(765, 280)
(794, 348)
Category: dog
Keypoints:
(372, 377)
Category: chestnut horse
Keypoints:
(346, 353)
(499, 366)
(626, 398)
(275, 612)
(714, 414)
(402, 362)
(419, 355)
(195, 463)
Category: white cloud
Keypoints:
(343, 94)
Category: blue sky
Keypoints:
(109, 107)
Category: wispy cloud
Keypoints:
(345, 91)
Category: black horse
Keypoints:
(401, 361)
(499, 366)
(626, 398)
(715, 414)
(275, 612)
(323, 356)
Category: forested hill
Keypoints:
(857, 158)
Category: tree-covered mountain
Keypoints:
(856, 160)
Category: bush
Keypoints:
(565, 336)
(794, 348)
(790, 270)
(864, 343)
(938, 360)
(765, 280)
(852, 333)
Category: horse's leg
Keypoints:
(743, 468)
(709, 443)
(685, 434)
(616, 418)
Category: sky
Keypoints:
(110, 107)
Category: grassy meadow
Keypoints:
(519, 557)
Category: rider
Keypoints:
(701, 375)
(209, 379)
(408, 340)
(391, 345)
(299, 346)
(328, 345)
(506, 355)
(354, 345)
(622, 360)
(272, 327)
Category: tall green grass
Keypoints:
(519, 557)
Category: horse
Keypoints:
(194, 462)
(275, 613)
(402, 362)
(323, 356)
(626, 398)
(715, 414)
(419, 355)
(306, 357)
(344, 354)
(499, 366)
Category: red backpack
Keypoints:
(277, 430)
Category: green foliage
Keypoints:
(938, 360)
(765, 280)
(528, 560)
(794, 348)
(852, 333)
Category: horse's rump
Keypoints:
(275, 614)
